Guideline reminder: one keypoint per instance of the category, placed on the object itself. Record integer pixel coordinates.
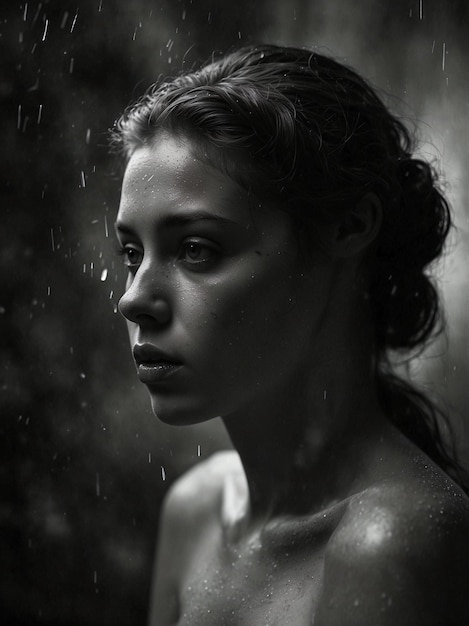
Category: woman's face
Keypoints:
(222, 313)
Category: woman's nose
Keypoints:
(144, 302)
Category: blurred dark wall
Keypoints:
(84, 463)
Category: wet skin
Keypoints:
(394, 553)
(331, 517)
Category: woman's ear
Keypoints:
(354, 232)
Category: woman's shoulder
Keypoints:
(400, 554)
(406, 513)
(405, 501)
(200, 489)
(190, 508)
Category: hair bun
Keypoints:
(424, 210)
(404, 298)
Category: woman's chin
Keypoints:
(176, 415)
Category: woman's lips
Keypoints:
(153, 364)
(153, 373)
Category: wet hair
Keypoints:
(305, 131)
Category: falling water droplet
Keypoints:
(46, 26)
(74, 21)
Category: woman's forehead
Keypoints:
(170, 162)
(168, 170)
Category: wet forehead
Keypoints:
(167, 171)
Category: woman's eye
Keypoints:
(196, 253)
(132, 256)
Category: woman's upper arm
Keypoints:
(164, 589)
(365, 590)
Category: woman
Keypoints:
(276, 230)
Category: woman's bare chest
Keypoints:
(250, 585)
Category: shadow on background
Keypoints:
(84, 463)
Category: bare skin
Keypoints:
(325, 514)
(394, 553)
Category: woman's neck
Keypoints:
(303, 448)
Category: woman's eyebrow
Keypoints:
(196, 216)
(174, 220)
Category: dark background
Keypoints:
(84, 464)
